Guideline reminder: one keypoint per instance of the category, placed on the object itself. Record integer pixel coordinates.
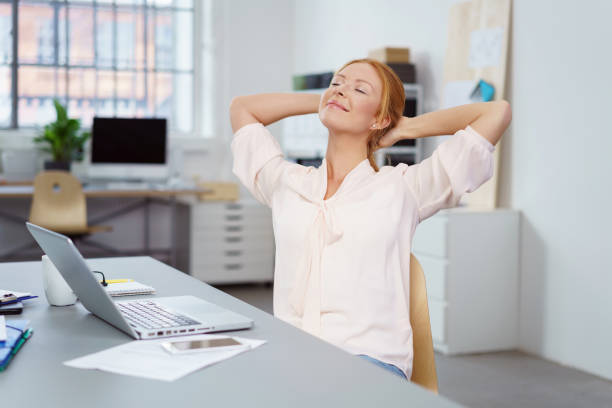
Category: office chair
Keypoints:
(59, 204)
(423, 362)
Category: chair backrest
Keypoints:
(423, 363)
(59, 202)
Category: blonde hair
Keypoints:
(391, 103)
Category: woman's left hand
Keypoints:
(399, 132)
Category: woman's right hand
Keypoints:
(401, 131)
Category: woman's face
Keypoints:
(351, 102)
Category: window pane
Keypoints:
(6, 37)
(162, 3)
(82, 94)
(184, 40)
(106, 86)
(5, 96)
(36, 34)
(63, 39)
(139, 39)
(126, 92)
(183, 3)
(81, 36)
(164, 40)
(183, 99)
(105, 39)
(38, 86)
(126, 35)
(163, 96)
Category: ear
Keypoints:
(384, 123)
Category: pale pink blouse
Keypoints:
(342, 264)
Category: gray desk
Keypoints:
(144, 195)
(293, 369)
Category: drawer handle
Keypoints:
(234, 206)
(234, 252)
(233, 239)
(233, 228)
(233, 217)
(232, 267)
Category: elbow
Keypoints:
(505, 114)
(235, 104)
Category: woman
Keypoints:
(344, 231)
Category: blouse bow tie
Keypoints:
(323, 231)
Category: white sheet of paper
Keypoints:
(486, 47)
(18, 294)
(147, 358)
(458, 93)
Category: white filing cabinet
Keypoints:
(231, 242)
(471, 264)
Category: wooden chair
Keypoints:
(423, 363)
(59, 204)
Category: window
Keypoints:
(129, 58)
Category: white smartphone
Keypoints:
(191, 346)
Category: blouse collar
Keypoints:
(362, 170)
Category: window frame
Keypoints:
(7, 134)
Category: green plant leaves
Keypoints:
(62, 138)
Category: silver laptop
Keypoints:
(141, 319)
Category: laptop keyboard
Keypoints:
(151, 315)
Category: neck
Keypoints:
(344, 153)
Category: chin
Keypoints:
(337, 124)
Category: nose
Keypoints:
(339, 89)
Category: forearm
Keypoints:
(269, 108)
(490, 119)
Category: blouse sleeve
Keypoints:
(459, 165)
(258, 161)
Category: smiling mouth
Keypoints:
(335, 105)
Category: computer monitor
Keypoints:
(128, 149)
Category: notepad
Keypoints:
(129, 288)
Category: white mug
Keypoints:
(57, 291)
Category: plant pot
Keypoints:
(57, 165)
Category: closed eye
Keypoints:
(359, 90)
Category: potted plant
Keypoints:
(62, 140)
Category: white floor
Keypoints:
(505, 379)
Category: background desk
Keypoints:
(293, 369)
(144, 197)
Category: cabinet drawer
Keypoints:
(232, 256)
(430, 237)
(216, 220)
(234, 272)
(218, 246)
(437, 316)
(229, 209)
(231, 235)
(435, 270)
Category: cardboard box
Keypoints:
(390, 54)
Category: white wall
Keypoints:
(331, 33)
(554, 155)
(560, 178)
(256, 51)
